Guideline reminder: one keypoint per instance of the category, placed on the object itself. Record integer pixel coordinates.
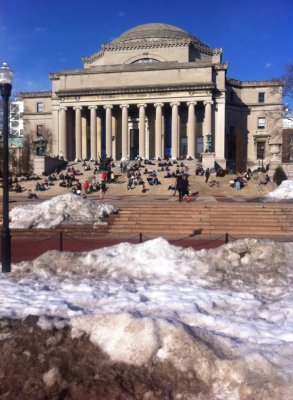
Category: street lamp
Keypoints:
(6, 78)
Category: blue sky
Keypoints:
(42, 36)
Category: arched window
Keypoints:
(145, 61)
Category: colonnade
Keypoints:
(216, 119)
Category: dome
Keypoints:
(154, 31)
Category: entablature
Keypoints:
(106, 69)
(134, 90)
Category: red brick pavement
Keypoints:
(28, 249)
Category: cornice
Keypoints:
(263, 83)
(27, 95)
(39, 114)
(133, 90)
(150, 44)
(108, 69)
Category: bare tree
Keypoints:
(288, 86)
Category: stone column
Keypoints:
(108, 109)
(78, 146)
(55, 138)
(114, 137)
(62, 136)
(84, 150)
(93, 132)
(220, 133)
(125, 151)
(99, 136)
(175, 130)
(141, 128)
(207, 122)
(191, 130)
(158, 130)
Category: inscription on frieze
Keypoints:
(162, 95)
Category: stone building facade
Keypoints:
(156, 91)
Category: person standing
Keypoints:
(182, 186)
(86, 187)
(207, 174)
(103, 189)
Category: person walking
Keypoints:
(182, 186)
(207, 174)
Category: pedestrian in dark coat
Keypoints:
(182, 186)
(207, 175)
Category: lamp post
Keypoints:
(6, 78)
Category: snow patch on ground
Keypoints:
(224, 314)
(283, 192)
(67, 208)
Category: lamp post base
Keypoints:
(6, 250)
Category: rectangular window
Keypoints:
(261, 97)
(261, 123)
(40, 130)
(40, 107)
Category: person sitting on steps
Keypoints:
(31, 194)
(266, 180)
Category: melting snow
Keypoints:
(283, 192)
(69, 207)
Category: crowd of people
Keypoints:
(96, 176)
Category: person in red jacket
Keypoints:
(86, 187)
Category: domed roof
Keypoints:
(154, 31)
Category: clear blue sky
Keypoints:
(42, 36)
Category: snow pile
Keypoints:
(69, 207)
(283, 192)
(224, 316)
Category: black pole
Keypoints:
(226, 238)
(140, 237)
(6, 238)
(61, 241)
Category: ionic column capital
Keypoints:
(208, 102)
(175, 103)
(92, 107)
(77, 108)
(141, 105)
(191, 103)
(108, 106)
(124, 106)
(63, 108)
(158, 105)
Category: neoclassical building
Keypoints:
(156, 91)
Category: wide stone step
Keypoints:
(186, 219)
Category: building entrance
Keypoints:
(134, 143)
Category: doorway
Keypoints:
(134, 143)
